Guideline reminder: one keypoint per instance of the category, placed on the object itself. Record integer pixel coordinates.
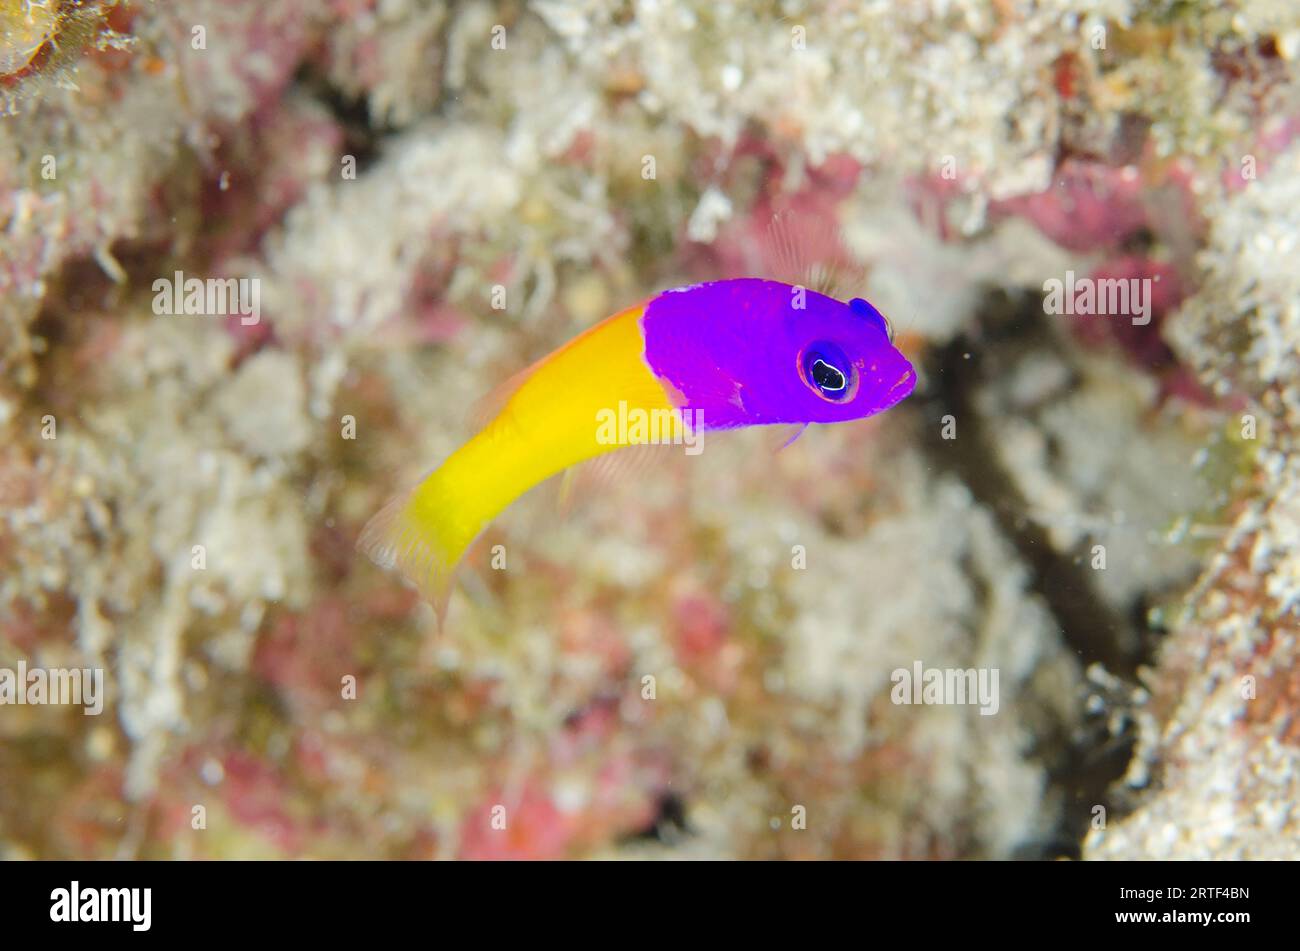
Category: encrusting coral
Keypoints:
(698, 662)
(1219, 750)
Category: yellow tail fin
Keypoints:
(413, 534)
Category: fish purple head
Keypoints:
(752, 352)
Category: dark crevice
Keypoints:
(363, 136)
(1096, 633)
(670, 823)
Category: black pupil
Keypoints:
(826, 376)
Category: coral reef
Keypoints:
(697, 662)
(1218, 750)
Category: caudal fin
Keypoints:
(407, 534)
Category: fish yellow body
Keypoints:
(545, 426)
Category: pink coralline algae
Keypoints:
(1088, 206)
(527, 825)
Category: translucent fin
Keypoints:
(596, 475)
(780, 435)
(626, 462)
(396, 538)
(811, 252)
(488, 407)
(567, 489)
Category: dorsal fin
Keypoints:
(810, 252)
(489, 406)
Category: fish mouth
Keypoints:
(903, 388)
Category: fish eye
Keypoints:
(828, 371)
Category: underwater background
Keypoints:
(700, 662)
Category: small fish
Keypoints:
(715, 356)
